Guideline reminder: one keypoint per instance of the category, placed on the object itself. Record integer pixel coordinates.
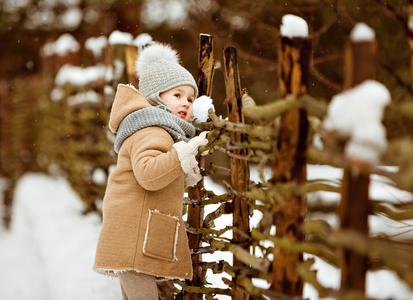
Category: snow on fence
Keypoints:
(75, 142)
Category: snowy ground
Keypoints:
(49, 252)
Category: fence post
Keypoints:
(118, 64)
(239, 168)
(354, 205)
(131, 53)
(205, 64)
(196, 213)
(290, 164)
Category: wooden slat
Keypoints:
(290, 164)
(239, 168)
(196, 214)
(354, 205)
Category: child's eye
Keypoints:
(190, 100)
(177, 95)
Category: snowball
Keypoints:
(201, 106)
(99, 176)
(293, 26)
(120, 38)
(356, 114)
(362, 33)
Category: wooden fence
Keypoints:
(75, 143)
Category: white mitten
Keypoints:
(197, 142)
(186, 154)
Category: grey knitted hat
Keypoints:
(159, 70)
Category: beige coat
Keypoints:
(142, 226)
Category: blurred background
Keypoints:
(51, 121)
(250, 26)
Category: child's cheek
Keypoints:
(190, 113)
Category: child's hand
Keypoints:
(197, 142)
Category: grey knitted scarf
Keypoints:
(179, 129)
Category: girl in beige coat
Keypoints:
(143, 236)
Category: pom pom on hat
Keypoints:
(159, 70)
(154, 53)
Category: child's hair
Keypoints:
(159, 70)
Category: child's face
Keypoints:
(180, 100)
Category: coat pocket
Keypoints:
(161, 236)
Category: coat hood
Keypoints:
(127, 100)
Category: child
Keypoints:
(143, 236)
